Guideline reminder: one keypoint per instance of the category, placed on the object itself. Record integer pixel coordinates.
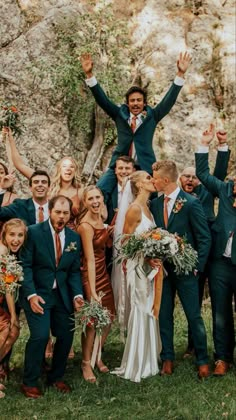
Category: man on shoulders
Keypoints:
(31, 210)
(135, 120)
(50, 292)
(179, 212)
(222, 259)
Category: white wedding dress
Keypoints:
(143, 343)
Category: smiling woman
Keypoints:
(95, 237)
(13, 237)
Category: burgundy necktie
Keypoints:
(165, 212)
(58, 248)
(40, 214)
(133, 128)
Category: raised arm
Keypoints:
(202, 167)
(16, 157)
(222, 158)
(164, 107)
(100, 97)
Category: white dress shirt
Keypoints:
(171, 202)
(45, 211)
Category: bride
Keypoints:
(143, 344)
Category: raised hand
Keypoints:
(221, 136)
(183, 62)
(87, 64)
(7, 181)
(208, 135)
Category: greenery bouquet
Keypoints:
(9, 117)
(159, 244)
(11, 274)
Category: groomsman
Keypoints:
(31, 210)
(135, 120)
(222, 279)
(49, 294)
(179, 212)
(191, 184)
(124, 167)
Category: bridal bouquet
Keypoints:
(93, 314)
(9, 117)
(11, 274)
(159, 243)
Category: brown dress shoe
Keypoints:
(221, 368)
(167, 367)
(203, 371)
(31, 391)
(61, 386)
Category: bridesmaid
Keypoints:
(95, 237)
(13, 237)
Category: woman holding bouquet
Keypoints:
(13, 237)
(143, 344)
(95, 237)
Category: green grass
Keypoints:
(181, 396)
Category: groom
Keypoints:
(50, 293)
(177, 211)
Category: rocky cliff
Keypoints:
(156, 32)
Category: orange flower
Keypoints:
(156, 236)
(13, 109)
(9, 278)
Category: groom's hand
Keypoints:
(34, 302)
(87, 64)
(78, 303)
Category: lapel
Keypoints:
(173, 214)
(157, 211)
(114, 197)
(68, 240)
(31, 212)
(49, 240)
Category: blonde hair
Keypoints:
(83, 210)
(134, 178)
(168, 168)
(56, 183)
(8, 225)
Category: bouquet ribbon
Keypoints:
(158, 275)
(97, 349)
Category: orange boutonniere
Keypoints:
(179, 203)
(143, 115)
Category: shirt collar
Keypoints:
(174, 194)
(61, 234)
(37, 205)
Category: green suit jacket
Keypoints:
(20, 208)
(205, 196)
(40, 270)
(143, 136)
(225, 222)
(190, 221)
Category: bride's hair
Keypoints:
(135, 178)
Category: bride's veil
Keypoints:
(126, 200)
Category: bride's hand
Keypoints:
(154, 262)
(96, 297)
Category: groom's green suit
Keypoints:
(191, 222)
(40, 273)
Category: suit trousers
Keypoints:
(61, 323)
(222, 283)
(187, 288)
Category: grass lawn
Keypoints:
(181, 396)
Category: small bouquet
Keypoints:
(9, 117)
(11, 274)
(93, 314)
(159, 243)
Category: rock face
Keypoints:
(158, 32)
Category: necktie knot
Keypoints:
(133, 123)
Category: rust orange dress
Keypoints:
(74, 212)
(103, 283)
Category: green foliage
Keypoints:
(105, 37)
